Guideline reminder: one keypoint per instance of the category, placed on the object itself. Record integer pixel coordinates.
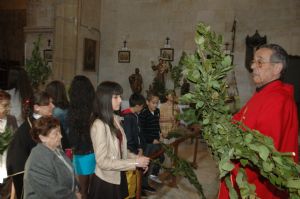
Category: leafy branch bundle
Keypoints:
(231, 142)
(5, 139)
(182, 168)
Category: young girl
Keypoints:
(81, 95)
(56, 89)
(110, 146)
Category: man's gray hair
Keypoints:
(279, 55)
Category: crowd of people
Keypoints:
(75, 142)
(78, 144)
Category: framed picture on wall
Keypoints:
(124, 56)
(48, 55)
(89, 55)
(167, 54)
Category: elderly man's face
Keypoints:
(264, 71)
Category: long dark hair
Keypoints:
(18, 79)
(57, 91)
(102, 106)
(81, 95)
(39, 98)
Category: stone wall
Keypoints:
(75, 20)
(145, 24)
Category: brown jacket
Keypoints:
(107, 153)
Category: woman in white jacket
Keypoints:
(110, 146)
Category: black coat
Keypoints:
(19, 149)
(131, 126)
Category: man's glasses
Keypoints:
(260, 63)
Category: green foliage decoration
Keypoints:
(230, 142)
(176, 71)
(37, 67)
(182, 168)
(5, 139)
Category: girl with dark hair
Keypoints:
(22, 143)
(20, 90)
(81, 96)
(57, 91)
(110, 146)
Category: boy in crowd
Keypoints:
(150, 129)
(135, 141)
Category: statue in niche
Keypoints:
(159, 84)
(136, 81)
(252, 43)
(162, 68)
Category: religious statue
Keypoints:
(159, 84)
(136, 81)
(162, 67)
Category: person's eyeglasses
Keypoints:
(260, 63)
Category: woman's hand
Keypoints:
(142, 161)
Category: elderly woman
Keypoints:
(20, 146)
(48, 171)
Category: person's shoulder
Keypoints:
(129, 116)
(25, 126)
(97, 122)
(40, 150)
(282, 92)
(40, 153)
(144, 111)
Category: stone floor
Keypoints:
(207, 173)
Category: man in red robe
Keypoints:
(272, 111)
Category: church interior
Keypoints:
(109, 39)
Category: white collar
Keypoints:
(36, 116)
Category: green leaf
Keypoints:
(278, 160)
(205, 121)
(263, 152)
(244, 162)
(294, 183)
(199, 104)
(248, 138)
(227, 166)
(267, 166)
(215, 84)
(199, 40)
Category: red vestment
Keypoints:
(273, 112)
